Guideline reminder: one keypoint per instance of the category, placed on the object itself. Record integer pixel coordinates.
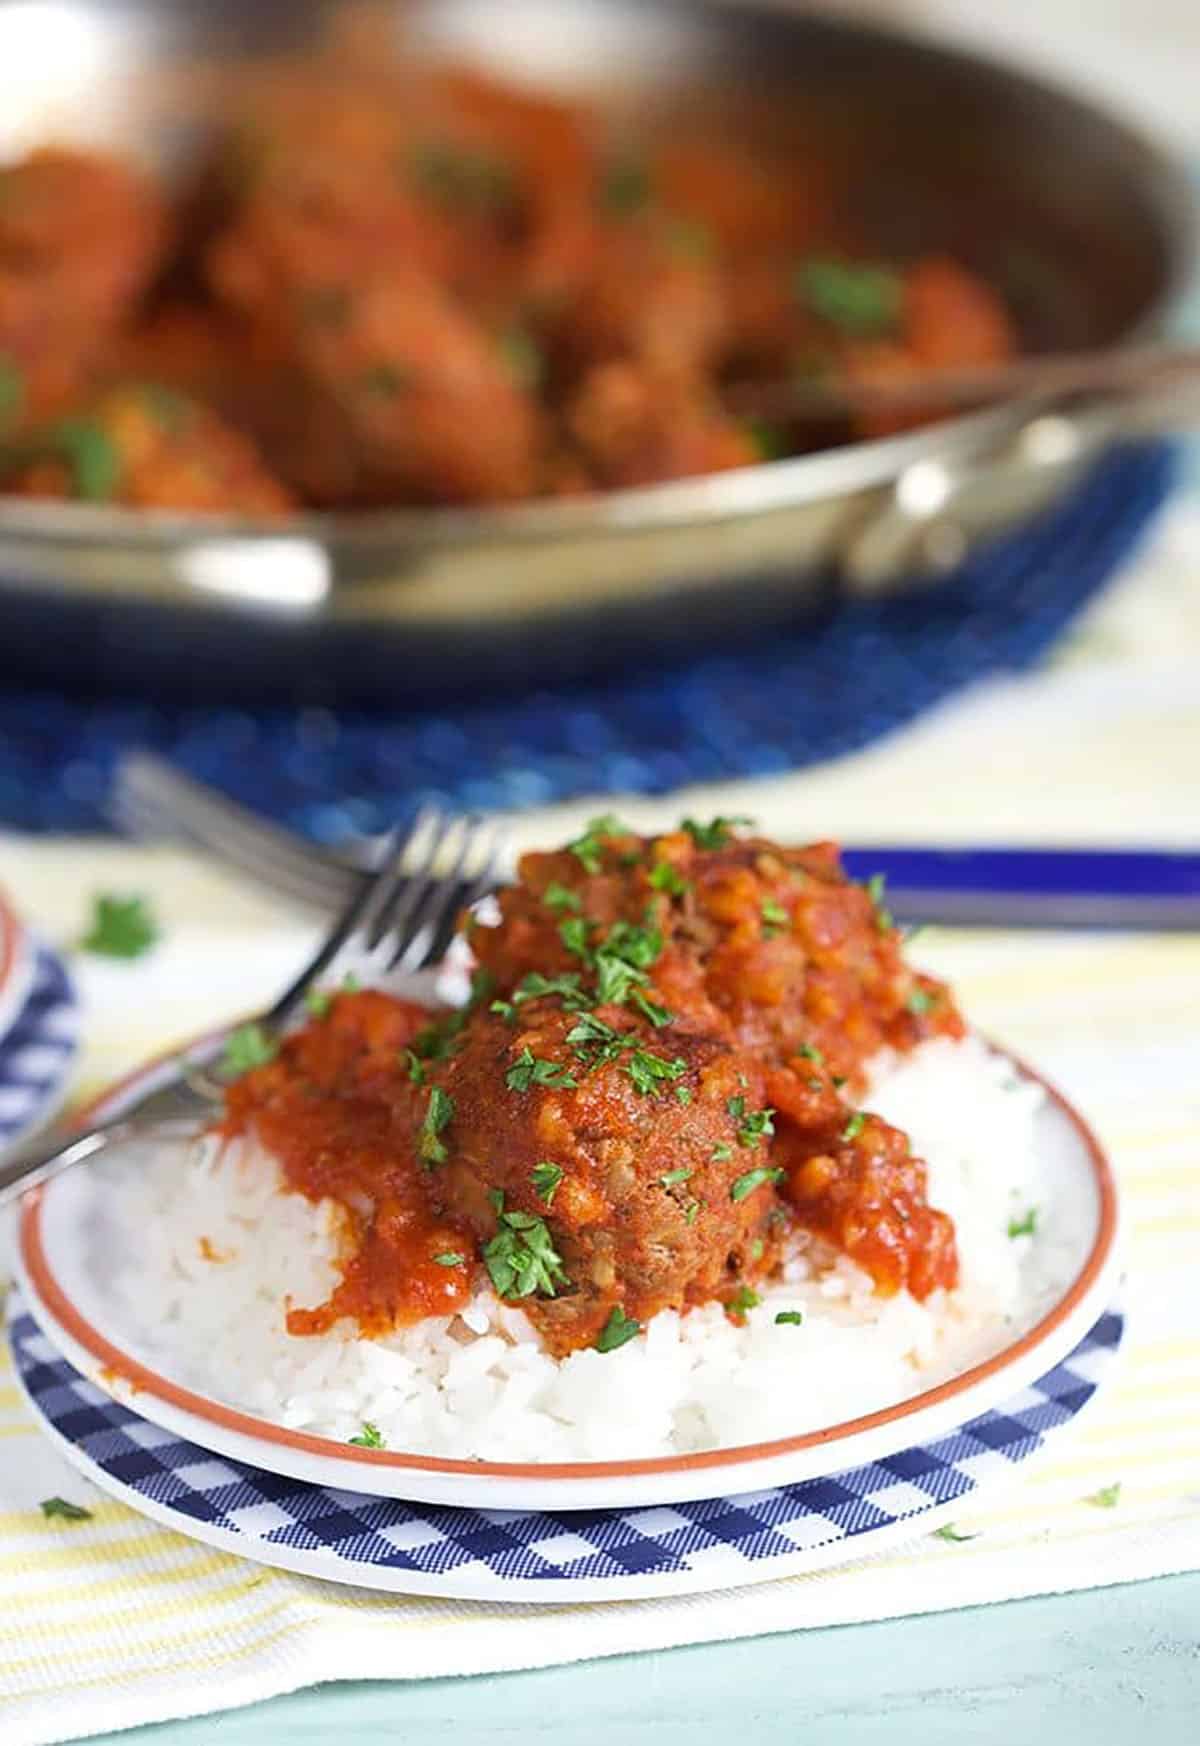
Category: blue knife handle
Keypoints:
(1036, 887)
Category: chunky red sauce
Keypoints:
(338, 1111)
(661, 1079)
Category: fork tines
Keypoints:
(404, 914)
(437, 867)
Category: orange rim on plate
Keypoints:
(142, 1378)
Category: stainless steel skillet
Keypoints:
(1087, 226)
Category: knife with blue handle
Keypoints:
(1047, 888)
(970, 886)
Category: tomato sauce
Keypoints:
(339, 1112)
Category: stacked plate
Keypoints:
(39, 1030)
(413, 1523)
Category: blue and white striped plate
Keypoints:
(38, 1053)
(526, 1555)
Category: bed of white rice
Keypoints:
(478, 1385)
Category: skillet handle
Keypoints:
(928, 520)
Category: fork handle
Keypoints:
(49, 1156)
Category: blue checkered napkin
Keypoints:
(37, 1054)
(730, 1539)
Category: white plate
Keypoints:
(540, 1555)
(68, 1288)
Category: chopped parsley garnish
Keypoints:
(951, 1533)
(860, 299)
(665, 877)
(318, 1001)
(770, 442)
(93, 457)
(648, 1072)
(615, 979)
(723, 1153)
(597, 1042)
(692, 1211)
(774, 916)
(618, 1330)
(450, 1258)
(809, 1052)
(573, 932)
(753, 1125)
(560, 897)
(64, 1511)
(169, 410)
(683, 1094)
(756, 1249)
(121, 927)
(715, 834)
(1024, 1227)
(622, 959)
(12, 392)
(674, 1176)
(688, 239)
(625, 188)
(588, 1032)
(752, 1179)
(742, 1300)
(919, 1001)
(440, 1113)
(546, 1178)
(586, 849)
(246, 1048)
(504, 1009)
(416, 1067)
(535, 986)
(619, 960)
(638, 946)
(875, 887)
(1107, 1498)
(524, 357)
(482, 984)
(439, 1040)
(385, 380)
(521, 1258)
(789, 1319)
(658, 1015)
(455, 176)
(528, 1070)
(370, 1437)
(853, 1127)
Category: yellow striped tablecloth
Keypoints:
(115, 1621)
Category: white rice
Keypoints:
(479, 1385)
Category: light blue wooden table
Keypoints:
(1095, 1669)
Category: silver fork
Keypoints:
(398, 918)
(151, 798)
